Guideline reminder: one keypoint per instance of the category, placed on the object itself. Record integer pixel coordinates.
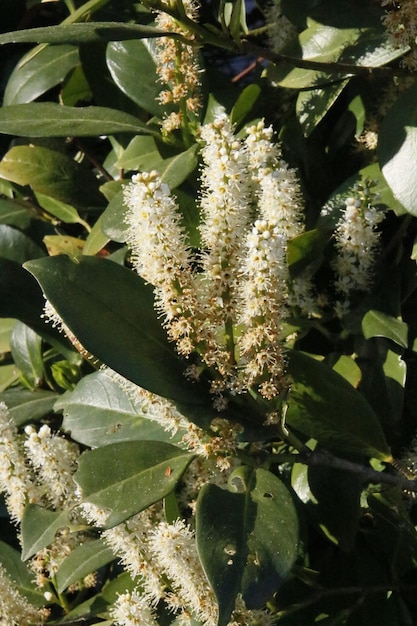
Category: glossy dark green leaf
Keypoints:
(86, 558)
(20, 574)
(89, 32)
(33, 77)
(324, 406)
(110, 309)
(112, 414)
(39, 527)
(20, 295)
(133, 69)
(46, 119)
(51, 173)
(337, 494)
(28, 406)
(26, 347)
(126, 477)
(377, 324)
(397, 148)
(16, 246)
(247, 540)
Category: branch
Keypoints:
(322, 458)
(342, 70)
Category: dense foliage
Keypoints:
(208, 297)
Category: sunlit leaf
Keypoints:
(397, 148)
(83, 560)
(39, 527)
(112, 414)
(32, 78)
(377, 324)
(46, 119)
(126, 477)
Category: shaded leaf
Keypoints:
(26, 347)
(247, 541)
(127, 477)
(324, 406)
(16, 246)
(51, 173)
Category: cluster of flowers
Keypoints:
(400, 21)
(178, 68)
(230, 309)
(37, 467)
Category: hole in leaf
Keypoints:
(268, 495)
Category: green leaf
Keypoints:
(313, 104)
(113, 218)
(90, 32)
(6, 327)
(245, 104)
(51, 173)
(20, 296)
(143, 154)
(28, 406)
(16, 246)
(83, 560)
(129, 60)
(337, 494)
(9, 374)
(361, 44)
(112, 414)
(96, 240)
(62, 211)
(349, 369)
(305, 249)
(31, 78)
(247, 541)
(377, 324)
(47, 119)
(126, 477)
(26, 346)
(39, 527)
(14, 214)
(21, 575)
(324, 406)
(397, 149)
(82, 291)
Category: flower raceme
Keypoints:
(231, 311)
